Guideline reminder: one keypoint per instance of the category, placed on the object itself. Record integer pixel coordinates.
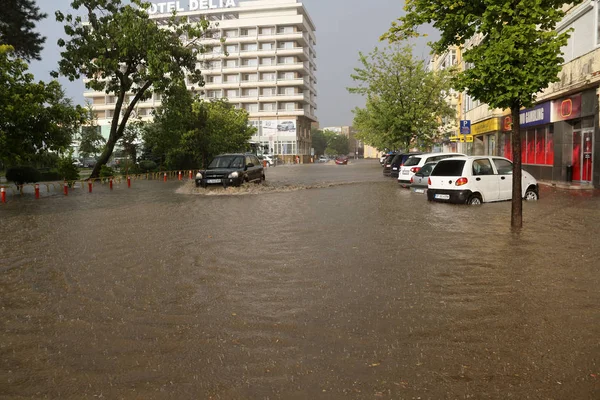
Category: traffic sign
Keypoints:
(465, 127)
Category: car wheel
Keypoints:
(531, 195)
(474, 200)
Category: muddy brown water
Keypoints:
(330, 282)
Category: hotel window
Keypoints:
(250, 77)
(232, 93)
(252, 108)
(250, 47)
(266, 31)
(213, 94)
(270, 76)
(290, 106)
(268, 91)
(231, 78)
(249, 62)
(231, 33)
(215, 65)
(266, 46)
(287, 60)
(248, 32)
(250, 93)
(288, 75)
(289, 91)
(266, 61)
(232, 48)
(231, 63)
(287, 45)
(100, 114)
(285, 29)
(268, 107)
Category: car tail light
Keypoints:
(429, 181)
(461, 181)
(412, 180)
(414, 170)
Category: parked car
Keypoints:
(420, 180)
(323, 159)
(78, 163)
(268, 159)
(341, 160)
(398, 161)
(384, 156)
(415, 163)
(387, 164)
(476, 180)
(231, 170)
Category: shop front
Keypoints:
(485, 135)
(558, 139)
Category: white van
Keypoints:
(416, 162)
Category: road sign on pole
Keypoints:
(465, 127)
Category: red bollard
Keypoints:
(37, 191)
(179, 175)
(110, 183)
(3, 194)
(128, 181)
(66, 188)
(90, 186)
(165, 178)
(191, 176)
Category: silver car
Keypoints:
(420, 180)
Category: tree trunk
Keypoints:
(517, 199)
(106, 153)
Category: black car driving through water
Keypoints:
(231, 170)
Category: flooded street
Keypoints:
(330, 282)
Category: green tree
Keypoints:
(319, 142)
(404, 102)
(188, 132)
(91, 141)
(34, 117)
(17, 21)
(514, 52)
(121, 51)
(338, 145)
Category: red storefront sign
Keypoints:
(567, 108)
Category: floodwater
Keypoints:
(330, 282)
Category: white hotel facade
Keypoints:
(266, 65)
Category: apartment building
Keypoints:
(560, 134)
(265, 65)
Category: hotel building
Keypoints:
(265, 65)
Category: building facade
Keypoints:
(561, 134)
(266, 64)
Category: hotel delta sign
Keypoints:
(193, 5)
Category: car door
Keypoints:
(505, 171)
(258, 167)
(485, 180)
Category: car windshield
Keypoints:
(227, 162)
(412, 161)
(427, 168)
(448, 167)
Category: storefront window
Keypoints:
(538, 146)
(505, 146)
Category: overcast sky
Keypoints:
(344, 27)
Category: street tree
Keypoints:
(511, 48)
(121, 51)
(17, 24)
(188, 132)
(404, 101)
(338, 145)
(35, 117)
(319, 142)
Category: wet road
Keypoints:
(328, 283)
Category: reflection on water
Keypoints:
(354, 289)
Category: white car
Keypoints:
(416, 162)
(268, 159)
(476, 180)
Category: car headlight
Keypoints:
(233, 175)
(198, 175)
